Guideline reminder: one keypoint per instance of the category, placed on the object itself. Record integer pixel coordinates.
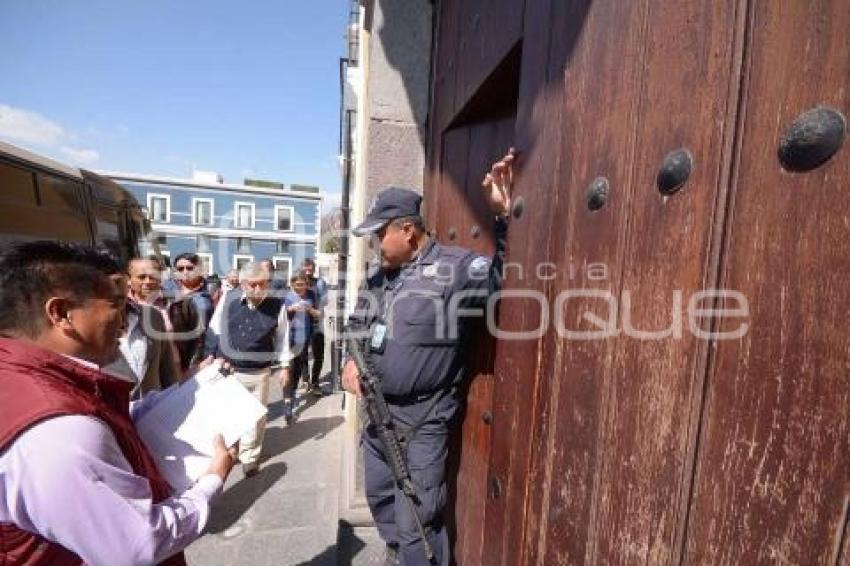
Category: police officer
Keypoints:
(409, 311)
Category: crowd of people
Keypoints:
(85, 347)
(174, 323)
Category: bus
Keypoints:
(42, 199)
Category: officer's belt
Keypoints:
(412, 398)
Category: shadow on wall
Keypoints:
(405, 35)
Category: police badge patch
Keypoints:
(431, 270)
(479, 268)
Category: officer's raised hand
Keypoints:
(497, 183)
(351, 379)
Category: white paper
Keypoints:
(179, 429)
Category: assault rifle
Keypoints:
(379, 416)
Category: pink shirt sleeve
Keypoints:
(66, 479)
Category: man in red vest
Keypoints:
(76, 482)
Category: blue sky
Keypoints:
(159, 87)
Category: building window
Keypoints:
(243, 214)
(283, 267)
(282, 247)
(239, 260)
(202, 243)
(243, 245)
(205, 260)
(202, 211)
(159, 207)
(283, 218)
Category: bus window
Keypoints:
(133, 232)
(18, 185)
(59, 193)
(108, 229)
(21, 217)
(129, 233)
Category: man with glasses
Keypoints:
(190, 283)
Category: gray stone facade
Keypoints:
(397, 86)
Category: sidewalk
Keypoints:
(288, 513)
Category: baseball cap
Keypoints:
(391, 203)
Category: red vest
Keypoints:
(36, 384)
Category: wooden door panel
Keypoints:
(488, 30)
(445, 67)
(487, 141)
(447, 205)
(773, 480)
(453, 206)
(685, 102)
(594, 106)
(473, 36)
(518, 382)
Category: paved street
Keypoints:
(288, 514)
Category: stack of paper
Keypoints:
(179, 429)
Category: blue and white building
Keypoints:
(228, 225)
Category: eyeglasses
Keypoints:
(185, 268)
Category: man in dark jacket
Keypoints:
(319, 289)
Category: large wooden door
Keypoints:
(625, 431)
(613, 419)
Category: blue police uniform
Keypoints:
(421, 361)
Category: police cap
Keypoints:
(392, 203)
